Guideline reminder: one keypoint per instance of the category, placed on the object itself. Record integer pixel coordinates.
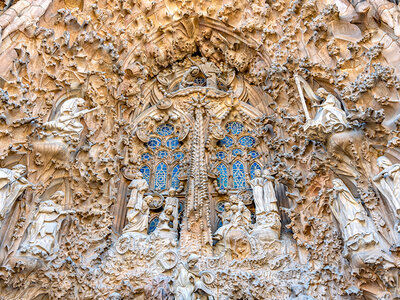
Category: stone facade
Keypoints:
(226, 149)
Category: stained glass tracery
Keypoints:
(234, 128)
(222, 179)
(160, 180)
(247, 141)
(239, 176)
(164, 130)
(145, 170)
(175, 177)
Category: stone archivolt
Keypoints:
(199, 149)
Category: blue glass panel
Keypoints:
(247, 141)
(162, 154)
(239, 177)
(222, 176)
(154, 143)
(153, 225)
(174, 178)
(254, 166)
(234, 127)
(220, 206)
(173, 143)
(145, 170)
(165, 129)
(146, 156)
(237, 152)
(160, 180)
(227, 142)
(180, 207)
(219, 223)
(254, 154)
(221, 155)
(179, 155)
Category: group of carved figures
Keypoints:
(42, 235)
(139, 211)
(55, 137)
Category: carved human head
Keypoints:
(192, 260)
(337, 182)
(266, 172)
(227, 206)
(257, 173)
(19, 169)
(194, 71)
(235, 208)
(148, 199)
(72, 104)
(321, 92)
(57, 197)
(139, 175)
(234, 199)
(171, 192)
(383, 162)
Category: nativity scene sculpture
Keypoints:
(12, 185)
(196, 150)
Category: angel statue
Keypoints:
(12, 185)
(330, 117)
(358, 231)
(388, 183)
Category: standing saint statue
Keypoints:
(257, 184)
(138, 216)
(357, 231)
(139, 186)
(42, 237)
(12, 185)
(388, 182)
(270, 201)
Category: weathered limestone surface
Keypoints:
(225, 149)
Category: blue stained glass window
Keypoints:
(146, 156)
(222, 176)
(154, 143)
(237, 152)
(254, 166)
(173, 143)
(160, 180)
(247, 141)
(165, 129)
(221, 206)
(179, 155)
(219, 223)
(239, 177)
(221, 155)
(254, 154)
(174, 178)
(162, 154)
(227, 142)
(180, 207)
(234, 127)
(153, 225)
(145, 170)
